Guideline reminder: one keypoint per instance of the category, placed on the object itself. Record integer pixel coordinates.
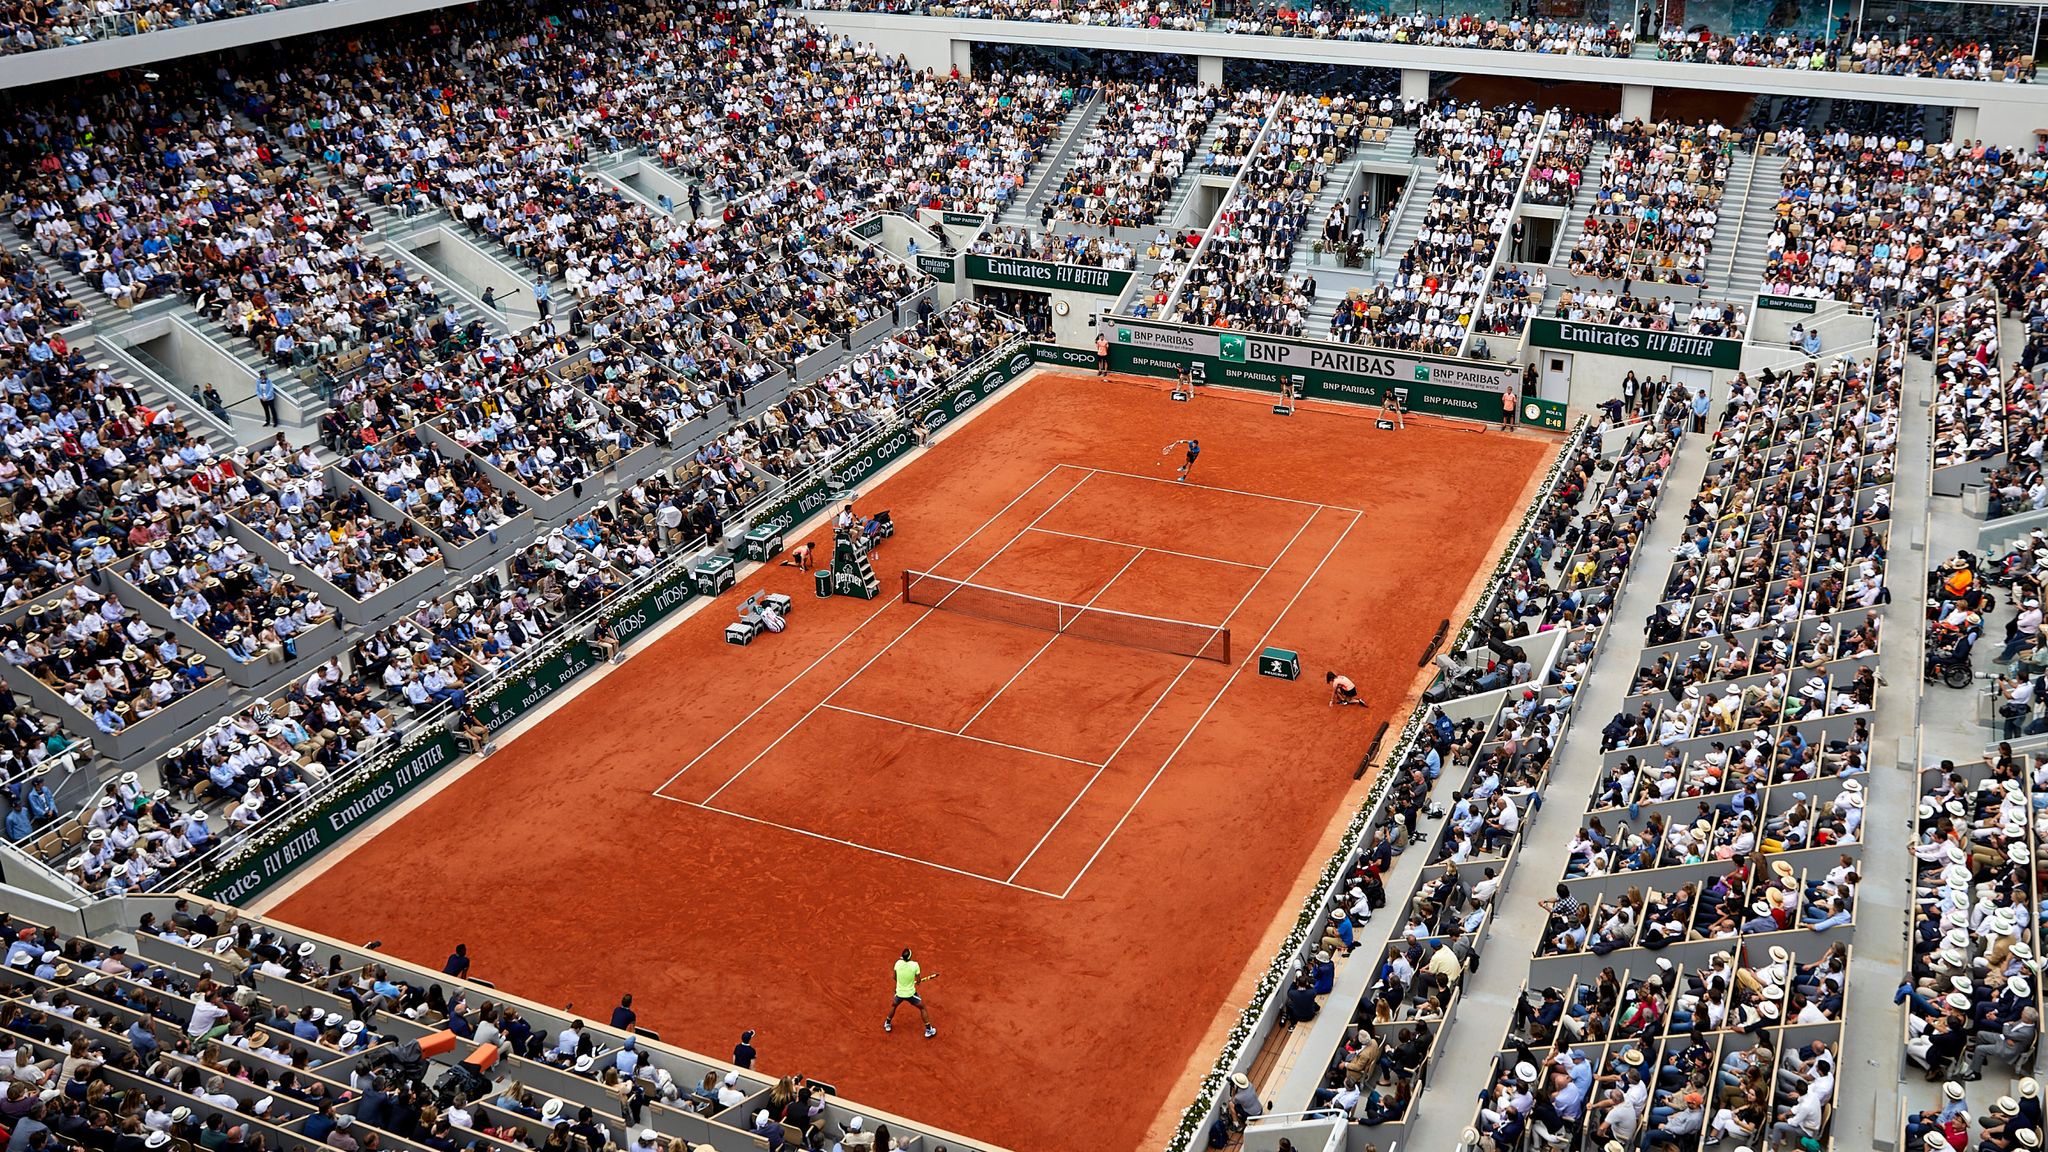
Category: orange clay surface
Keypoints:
(1092, 845)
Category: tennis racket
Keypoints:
(1166, 451)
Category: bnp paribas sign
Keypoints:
(1242, 348)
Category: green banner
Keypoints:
(957, 398)
(277, 852)
(521, 694)
(653, 605)
(1636, 343)
(869, 228)
(939, 268)
(1316, 371)
(1050, 277)
(1314, 359)
(1804, 305)
(963, 219)
(1548, 415)
(1064, 357)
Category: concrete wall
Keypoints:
(184, 359)
(171, 43)
(648, 181)
(451, 260)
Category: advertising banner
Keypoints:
(1048, 277)
(1317, 371)
(277, 852)
(1636, 343)
(1803, 305)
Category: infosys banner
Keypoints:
(1046, 276)
(1636, 343)
(1318, 371)
(1064, 357)
(279, 851)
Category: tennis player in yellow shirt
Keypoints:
(908, 976)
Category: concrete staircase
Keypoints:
(1408, 224)
(1749, 233)
(1332, 284)
(1576, 212)
(1335, 181)
(1024, 207)
(1184, 187)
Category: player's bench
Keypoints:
(748, 626)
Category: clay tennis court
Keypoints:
(1093, 843)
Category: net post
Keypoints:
(1226, 645)
(906, 585)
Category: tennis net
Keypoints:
(1129, 629)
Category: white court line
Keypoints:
(862, 847)
(1135, 728)
(960, 735)
(872, 616)
(1196, 726)
(884, 650)
(1161, 551)
(1232, 491)
(1050, 641)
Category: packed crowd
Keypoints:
(27, 26)
(210, 581)
(1657, 206)
(1624, 308)
(1880, 220)
(1922, 55)
(1128, 163)
(1056, 247)
(1869, 55)
(1432, 297)
(207, 208)
(1242, 280)
(104, 660)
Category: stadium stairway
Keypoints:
(1334, 183)
(1581, 206)
(1023, 209)
(1759, 210)
(1408, 224)
(1184, 187)
(1332, 283)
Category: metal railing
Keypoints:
(1252, 154)
(1507, 230)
